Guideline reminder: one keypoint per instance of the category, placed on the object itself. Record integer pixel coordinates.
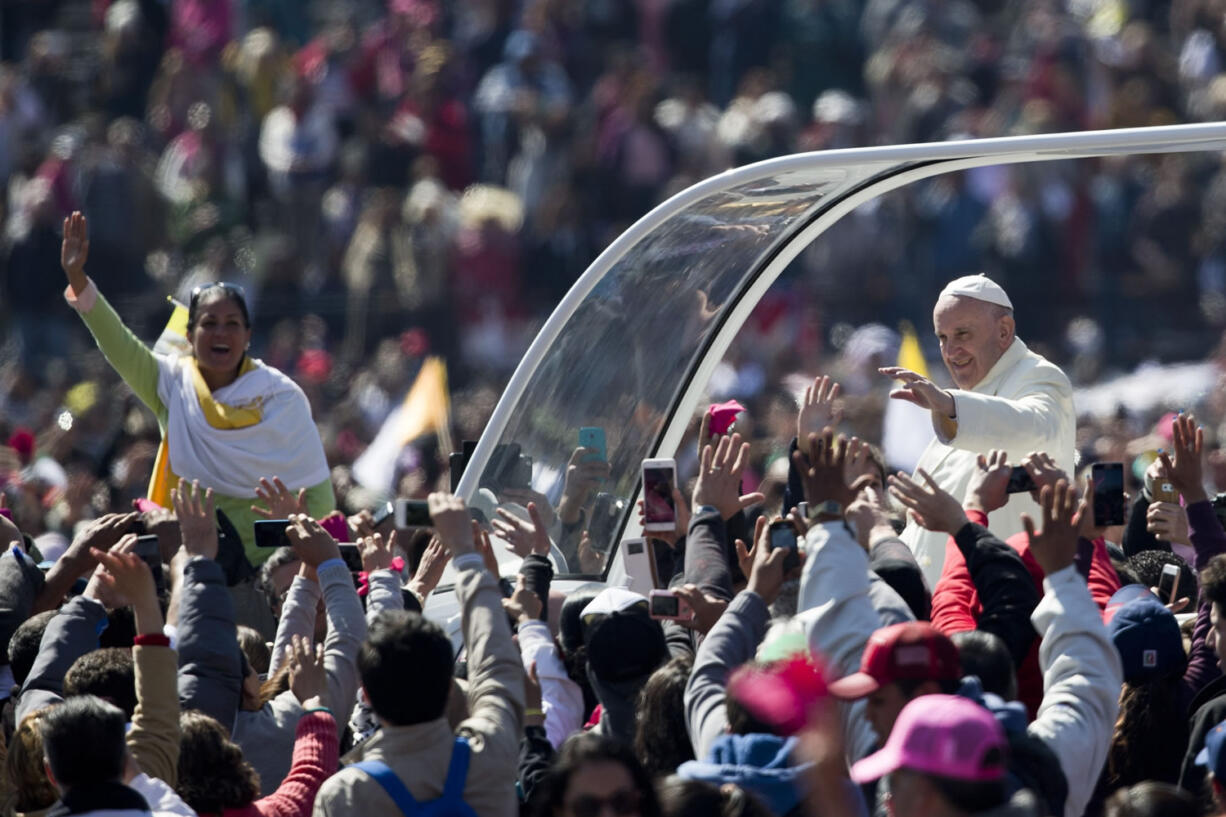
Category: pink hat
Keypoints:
(944, 735)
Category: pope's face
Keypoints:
(973, 336)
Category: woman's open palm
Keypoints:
(75, 248)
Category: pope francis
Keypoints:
(1007, 397)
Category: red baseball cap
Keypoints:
(913, 650)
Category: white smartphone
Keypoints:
(640, 565)
(659, 481)
(1168, 585)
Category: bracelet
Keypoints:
(313, 710)
(534, 713)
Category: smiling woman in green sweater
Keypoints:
(227, 420)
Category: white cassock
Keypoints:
(1024, 404)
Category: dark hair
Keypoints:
(253, 645)
(280, 557)
(120, 629)
(23, 646)
(907, 686)
(743, 722)
(698, 798)
(274, 685)
(1147, 567)
(107, 673)
(28, 786)
(1151, 734)
(1213, 581)
(967, 796)
(84, 741)
(213, 776)
(218, 291)
(1152, 799)
(588, 747)
(985, 656)
(661, 739)
(406, 664)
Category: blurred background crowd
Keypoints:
(392, 179)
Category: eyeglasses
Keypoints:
(622, 802)
(233, 290)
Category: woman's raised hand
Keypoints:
(75, 250)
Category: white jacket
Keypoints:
(1024, 404)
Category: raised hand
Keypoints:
(930, 506)
(130, 583)
(307, 677)
(1168, 521)
(197, 519)
(1185, 470)
(582, 480)
(706, 609)
(280, 501)
(375, 552)
(1043, 470)
(430, 569)
(988, 489)
(822, 469)
(817, 408)
(765, 565)
(481, 541)
(719, 477)
(1056, 547)
(74, 250)
(452, 524)
(522, 537)
(524, 605)
(311, 543)
(921, 391)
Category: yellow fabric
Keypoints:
(427, 406)
(910, 355)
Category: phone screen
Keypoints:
(270, 533)
(352, 557)
(1168, 585)
(412, 513)
(663, 606)
(783, 535)
(382, 513)
(658, 495)
(1108, 493)
(1019, 481)
(150, 552)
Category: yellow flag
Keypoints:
(173, 339)
(910, 356)
(427, 406)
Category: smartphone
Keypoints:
(665, 605)
(783, 535)
(1020, 481)
(1108, 493)
(1164, 491)
(606, 512)
(640, 566)
(271, 533)
(659, 480)
(383, 513)
(593, 437)
(412, 513)
(150, 552)
(1168, 585)
(352, 557)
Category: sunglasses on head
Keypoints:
(622, 802)
(233, 290)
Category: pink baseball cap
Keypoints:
(943, 735)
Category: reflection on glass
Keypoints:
(596, 404)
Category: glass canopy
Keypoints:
(630, 348)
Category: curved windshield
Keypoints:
(599, 398)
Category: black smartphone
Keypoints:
(382, 513)
(1108, 493)
(271, 533)
(1020, 481)
(412, 513)
(783, 535)
(352, 557)
(150, 552)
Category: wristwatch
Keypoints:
(825, 511)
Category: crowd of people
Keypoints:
(380, 182)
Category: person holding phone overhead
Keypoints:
(227, 419)
(1007, 398)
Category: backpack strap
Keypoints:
(382, 774)
(457, 772)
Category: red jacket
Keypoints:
(316, 758)
(956, 606)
